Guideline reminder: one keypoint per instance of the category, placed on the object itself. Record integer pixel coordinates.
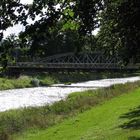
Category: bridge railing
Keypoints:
(66, 65)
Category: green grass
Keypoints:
(99, 123)
(11, 83)
(18, 121)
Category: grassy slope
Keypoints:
(100, 122)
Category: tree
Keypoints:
(129, 25)
(73, 17)
(108, 37)
(7, 46)
(11, 12)
(120, 29)
(60, 19)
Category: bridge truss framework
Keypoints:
(71, 61)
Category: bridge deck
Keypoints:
(69, 66)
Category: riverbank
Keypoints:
(46, 79)
(17, 121)
(40, 96)
(115, 119)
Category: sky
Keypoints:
(18, 28)
(26, 1)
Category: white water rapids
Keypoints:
(39, 96)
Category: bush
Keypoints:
(21, 82)
(4, 136)
(35, 82)
(47, 81)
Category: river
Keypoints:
(39, 96)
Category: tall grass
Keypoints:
(21, 82)
(16, 121)
(25, 81)
(46, 79)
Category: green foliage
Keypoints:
(11, 12)
(63, 29)
(66, 28)
(35, 82)
(129, 25)
(10, 50)
(21, 82)
(119, 30)
(27, 81)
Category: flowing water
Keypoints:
(39, 96)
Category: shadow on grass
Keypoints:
(133, 138)
(133, 122)
(133, 119)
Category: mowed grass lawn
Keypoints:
(115, 119)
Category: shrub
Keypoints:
(4, 136)
(35, 82)
(21, 82)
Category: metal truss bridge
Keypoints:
(72, 62)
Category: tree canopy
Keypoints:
(120, 29)
(67, 25)
(11, 13)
